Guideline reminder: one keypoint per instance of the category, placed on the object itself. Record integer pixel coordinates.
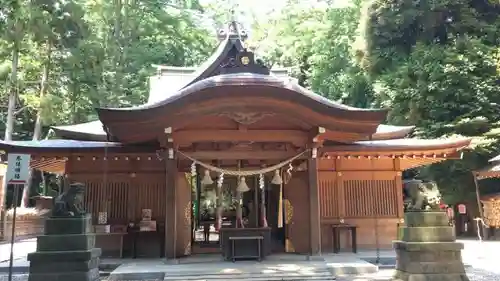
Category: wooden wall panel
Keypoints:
(359, 197)
(328, 195)
(115, 163)
(109, 196)
(368, 198)
(123, 197)
(151, 194)
(326, 164)
(183, 215)
(363, 164)
(296, 204)
(369, 231)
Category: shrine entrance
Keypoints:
(254, 202)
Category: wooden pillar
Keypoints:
(132, 190)
(399, 188)
(170, 182)
(314, 207)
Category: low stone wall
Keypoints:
(26, 227)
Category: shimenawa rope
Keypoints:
(242, 173)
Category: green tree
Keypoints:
(435, 64)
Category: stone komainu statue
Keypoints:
(70, 202)
(421, 196)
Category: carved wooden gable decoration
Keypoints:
(242, 62)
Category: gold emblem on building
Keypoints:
(288, 211)
(187, 213)
(289, 246)
(245, 60)
(187, 249)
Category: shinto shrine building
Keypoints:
(294, 164)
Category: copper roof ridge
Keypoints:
(247, 79)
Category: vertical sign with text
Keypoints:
(18, 167)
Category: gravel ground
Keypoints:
(385, 275)
(382, 275)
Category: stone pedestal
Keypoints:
(428, 250)
(66, 251)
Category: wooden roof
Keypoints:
(490, 171)
(93, 131)
(51, 155)
(241, 92)
(398, 147)
(233, 80)
(495, 159)
(418, 147)
(62, 147)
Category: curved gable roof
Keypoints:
(244, 90)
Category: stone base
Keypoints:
(68, 225)
(428, 251)
(404, 276)
(91, 275)
(64, 265)
(66, 252)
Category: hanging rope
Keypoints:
(243, 173)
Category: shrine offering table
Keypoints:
(245, 243)
(111, 244)
(147, 244)
(336, 228)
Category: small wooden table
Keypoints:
(336, 228)
(257, 256)
(254, 241)
(114, 234)
(159, 235)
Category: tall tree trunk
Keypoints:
(9, 126)
(37, 132)
(118, 55)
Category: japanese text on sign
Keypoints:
(18, 168)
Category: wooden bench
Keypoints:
(246, 255)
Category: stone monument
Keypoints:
(65, 252)
(428, 250)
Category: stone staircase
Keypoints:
(228, 271)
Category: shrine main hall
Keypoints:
(234, 149)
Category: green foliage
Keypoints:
(334, 71)
(435, 64)
(316, 42)
(101, 54)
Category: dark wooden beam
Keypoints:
(316, 133)
(314, 207)
(298, 138)
(237, 155)
(170, 184)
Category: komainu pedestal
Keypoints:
(428, 250)
(66, 251)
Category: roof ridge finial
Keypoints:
(233, 29)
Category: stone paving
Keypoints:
(382, 275)
(481, 258)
